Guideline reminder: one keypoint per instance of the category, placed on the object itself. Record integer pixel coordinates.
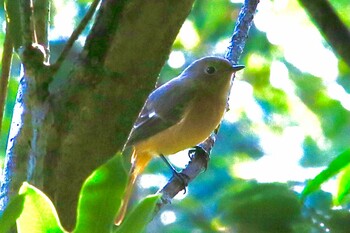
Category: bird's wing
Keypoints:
(164, 108)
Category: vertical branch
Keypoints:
(107, 22)
(26, 10)
(241, 31)
(41, 23)
(18, 148)
(5, 72)
(15, 164)
(200, 155)
(14, 22)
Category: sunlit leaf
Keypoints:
(139, 217)
(101, 197)
(39, 214)
(344, 185)
(11, 213)
(334, 167)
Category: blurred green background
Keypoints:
(288, 118)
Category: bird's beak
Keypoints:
(237, 67)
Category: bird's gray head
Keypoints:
(212, 70)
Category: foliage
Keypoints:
(99, 201)
(140, 216)
(12, 212)
(335, 167)
(39, 214)
(100, 197)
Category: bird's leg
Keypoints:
(180, 176)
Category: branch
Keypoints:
(5, 71)
(199, 161)
(55, 67)
(32, 54)
(26, 12)
(18, 32)
(241, 31)
(107, 21)
(14, 22)
(200, 155)
(41, 24)
(330, 25)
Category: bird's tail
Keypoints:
(139, 162)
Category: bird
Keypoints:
(178, 115)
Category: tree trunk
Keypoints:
(85, 119)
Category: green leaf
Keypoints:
(39, 214)
(11, 213)
(341, 161)
(140, 216)
(100, 197)
(344, 186)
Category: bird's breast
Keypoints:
(201, 118)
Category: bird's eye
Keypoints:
(210, 70)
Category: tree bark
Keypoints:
(83, 121)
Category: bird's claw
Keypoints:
(202, 152)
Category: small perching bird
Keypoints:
(178, 115)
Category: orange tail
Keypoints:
(139, 162)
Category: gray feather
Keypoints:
(163, 109)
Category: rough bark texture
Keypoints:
(80, 123)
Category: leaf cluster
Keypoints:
(99, 201)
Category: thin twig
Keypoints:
(75, 36)
(41, 24)
(241, 31)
